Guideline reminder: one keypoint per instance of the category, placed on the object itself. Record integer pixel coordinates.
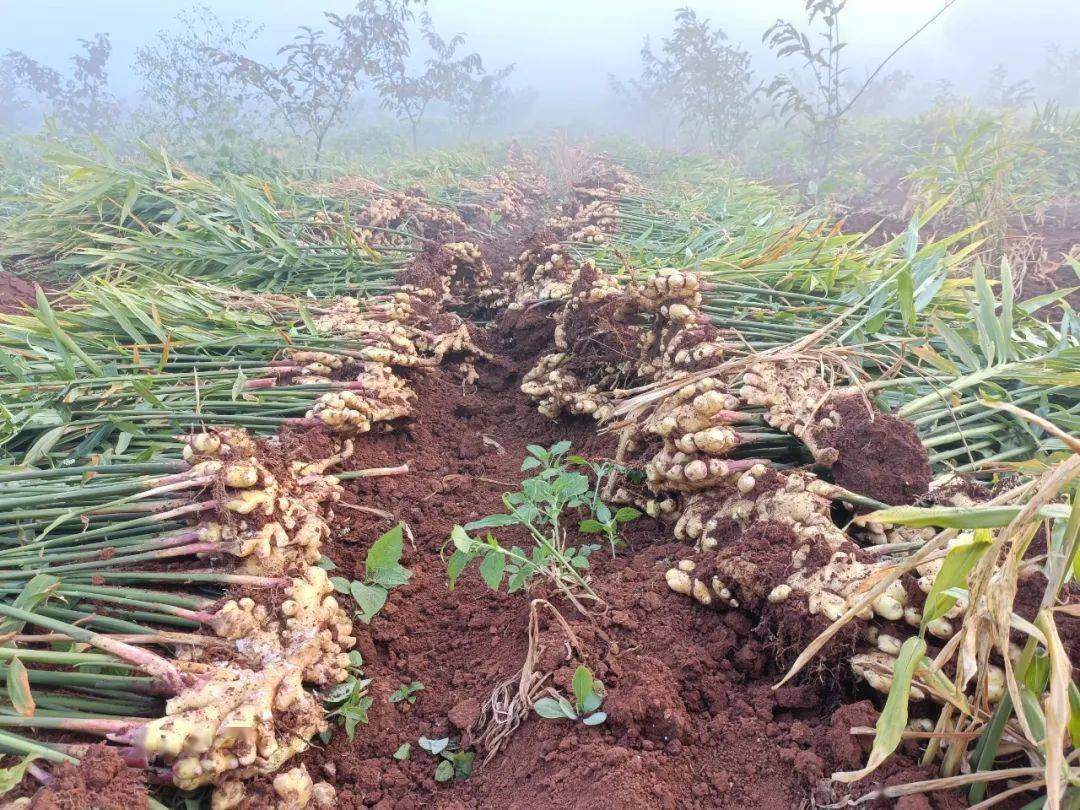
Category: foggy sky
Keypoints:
(567, 48)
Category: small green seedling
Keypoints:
(608, 524)
(453, 762)
(407, 693)
(382, 571)
(588, 695)
(349, 701)
(403, 752)
(550, 459)
(539, 507)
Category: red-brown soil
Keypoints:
(15, 291)
(100, 780)
(692, 718)
(880, 455)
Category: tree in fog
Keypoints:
(11, 101)
(479, 100)
(186, 87)
(1002, 94)
(712, 81)
(1060, 75)
(80, 100)
(318, 77)
(945, 96)
(444, 76)
(830, 96)
(822, 106)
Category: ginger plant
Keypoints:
(1029, 706)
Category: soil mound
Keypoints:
(100, 780)
(880, 455)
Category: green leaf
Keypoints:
(340, 692)
(434, 747)
(458, 560)
(537, 451)
(559, 448)
(567, 709)
(911, 238)
(892, 721)
(16, 368)
(445, 771)
(875, 323)
(463, 764)
(1033, 713)
(549, 708)
(341, 584)
(43, 446)
(34, 593)
(905, 293)
(591, 526)
(63, 340)
(953, 573)
(1074, 714)
(385, 552)
(591, 703)
(571, 485)
(626, 514)
(355, 715)
(391, 577)
(595, 719)
(987, 319)
(492, 522)
(530, 462)
(491, 569)
(305, 316)
(603, 513)
(1030, 305)
(461, 539)
(11, 777)
(582, 684)
(369, 598)
(403, 751)
(18, 687)
(238, 384)
(958, 517)
(1007, 295)
(957, 345)
(518, 580)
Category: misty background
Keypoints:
(566, 48)
(209, 81)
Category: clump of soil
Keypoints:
(15, 292)
(428, 270)
(880, 455)
(525, 334)
(100, 780)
